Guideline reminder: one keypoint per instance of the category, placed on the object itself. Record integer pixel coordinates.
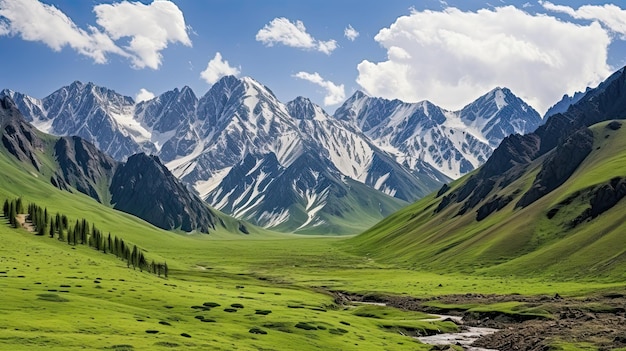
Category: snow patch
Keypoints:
(500, 99)
(180, 167)
(204, 187)
(271, 219)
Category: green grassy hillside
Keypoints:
(522, 241)
(60, 297)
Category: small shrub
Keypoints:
(211, 304)
(52, 298)
(337, 331)
(152, 331)
(185, 335)
(256, 330)
(305, 326)
(230, 310)
(263, 312)
(236, 305)
(166, 344)
(164, 323)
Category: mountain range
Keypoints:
(550, 201)
(141, 186)
(289, 166)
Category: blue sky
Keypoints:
(448, 52)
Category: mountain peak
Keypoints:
(304, 108)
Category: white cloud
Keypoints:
(335, 94)
(282, 31)
(218, 68)
(144, 95)
(150, 28)
(350, 33)
(326, 47)
(34, 21)
(451, 56)
(609, 15)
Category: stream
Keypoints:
(464, 338)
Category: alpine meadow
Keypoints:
(466, 194)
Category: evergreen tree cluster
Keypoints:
(45, 224)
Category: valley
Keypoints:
(313, 175)
(529, 245)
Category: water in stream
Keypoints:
(464, 338)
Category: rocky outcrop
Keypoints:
(559, 166)
(144, 187)
(607, 101)
(83, 166)
(18, 137)
(495, 204)
(602, 199)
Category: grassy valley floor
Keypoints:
(250, 294)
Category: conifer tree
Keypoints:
(134, 257)
(12, 215)
(64, 222)
(51, 228)
(5, 208)
(19, 206)
(165, 269)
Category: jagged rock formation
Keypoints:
(83, 167)
(399, 149)
(607, 101)
(144, 187)
(559, 166)
(19, 137)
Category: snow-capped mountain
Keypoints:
(565, 103)
(451, 142)
(288, 166)
(300, 153)
(96, 114)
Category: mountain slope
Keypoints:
(143, 186)
(73, 164)
(547, 203)
(393, 148)
(453, 143)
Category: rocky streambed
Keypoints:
(598, 320)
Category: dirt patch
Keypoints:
(599, 319)
(21, 219)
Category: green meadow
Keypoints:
(270, 291)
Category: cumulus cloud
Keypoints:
(34, 21)
(450, 56)
(611, 16)
(144, 95)
(282, 31)
(350, 33)
(150, 28)
(218, 68)
(335, 94)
